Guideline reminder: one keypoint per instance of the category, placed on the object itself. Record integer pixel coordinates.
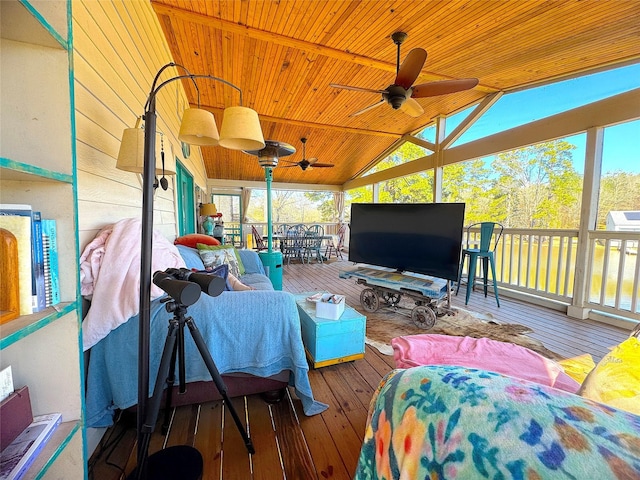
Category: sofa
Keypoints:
(446, 421)
(253, 336)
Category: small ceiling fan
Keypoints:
(402, 94)
(307, 163)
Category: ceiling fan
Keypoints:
(307, 163)
(402, 93)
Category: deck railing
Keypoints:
(542, 262)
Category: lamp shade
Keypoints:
(198, 127)
(241, 129)
(208, 209)
(131, 154)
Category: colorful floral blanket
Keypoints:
(443, 422)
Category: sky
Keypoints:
(621, 142)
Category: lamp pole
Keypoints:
(148, 175)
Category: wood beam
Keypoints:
(610, 111)
(419, 142)
(221, 184)
(480, 110)
(299, 123)
(418, 165)
(274, 38)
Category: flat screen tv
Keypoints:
(416, 237)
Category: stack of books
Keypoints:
(38, 278)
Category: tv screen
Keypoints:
(416, 237)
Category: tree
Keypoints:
(469, 182)
(529, 181)
(618, 191)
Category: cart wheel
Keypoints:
(391, 299)
(423, 317)
(369, 300)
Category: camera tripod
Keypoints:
(173, 458)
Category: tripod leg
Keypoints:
(217, 379)
(170, 380)
(154, 406)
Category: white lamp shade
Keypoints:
(198, 127)
(131, 154)
(241, 129)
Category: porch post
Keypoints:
(376, 192)
(438, 169)
(588, 218)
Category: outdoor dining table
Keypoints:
(277, 238)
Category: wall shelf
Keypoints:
(38, 168)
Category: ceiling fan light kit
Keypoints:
(401, 94)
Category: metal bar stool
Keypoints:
(485, 253)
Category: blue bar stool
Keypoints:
(486, 253)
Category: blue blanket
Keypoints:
(240, 338)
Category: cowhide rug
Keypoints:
(384, 324)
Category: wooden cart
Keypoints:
(387, 287)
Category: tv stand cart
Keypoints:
(386, 287)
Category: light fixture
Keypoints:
(208, 210)
(240, 125)
(131, 153)
(239, 137)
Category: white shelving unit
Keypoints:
(38, 167)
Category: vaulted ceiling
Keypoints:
(284, 54)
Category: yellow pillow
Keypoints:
(578, 367)
(616, 379)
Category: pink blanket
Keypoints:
(110, 274)
(483, 353)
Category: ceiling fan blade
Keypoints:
(312, 160)
(411, 67)
(356, 89)
(366, 109)
(412, 108)
(321, 165)
(433, 89)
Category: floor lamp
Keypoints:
(240, 130)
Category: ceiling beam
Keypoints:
(300, 123)
(419, 142)
(219, 184)
(227, 26)
(610, 111)
(477, 112)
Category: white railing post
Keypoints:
(588, 215)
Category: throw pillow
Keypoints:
(193, 239)
(615, 380)
(214, 255)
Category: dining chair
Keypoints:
(313, 242)
(257, 240)
(490, 233)
(292, 244)
(335, 245)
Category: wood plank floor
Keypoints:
(290, 445)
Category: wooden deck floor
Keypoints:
(293, 446)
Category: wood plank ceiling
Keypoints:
(284, 54)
